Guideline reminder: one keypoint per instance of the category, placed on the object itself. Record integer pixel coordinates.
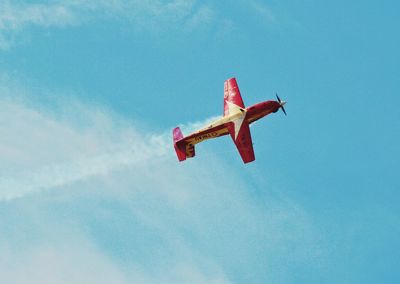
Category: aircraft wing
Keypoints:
(232, 97)
(240, 133)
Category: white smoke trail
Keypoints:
(14, 184)
(117, 149)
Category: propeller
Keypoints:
(282, 103)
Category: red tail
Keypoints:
(179, 147)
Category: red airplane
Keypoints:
(235, 121)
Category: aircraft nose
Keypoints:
(282, 103)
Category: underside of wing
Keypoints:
(240, 133)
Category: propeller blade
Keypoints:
(279, 99)
(283, 109)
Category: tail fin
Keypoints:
(179, 147)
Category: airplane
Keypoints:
(235, 121)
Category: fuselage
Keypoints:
(219, 127)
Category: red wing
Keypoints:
(242, 140)
(231, 95)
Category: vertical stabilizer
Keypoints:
(179, 146)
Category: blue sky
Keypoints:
(90, 187)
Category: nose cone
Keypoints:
(282, 103)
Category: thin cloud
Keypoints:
(262, 10)
(15, 17)
(150, 16)
(202, 17)
(18, 15)
(76, 260)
